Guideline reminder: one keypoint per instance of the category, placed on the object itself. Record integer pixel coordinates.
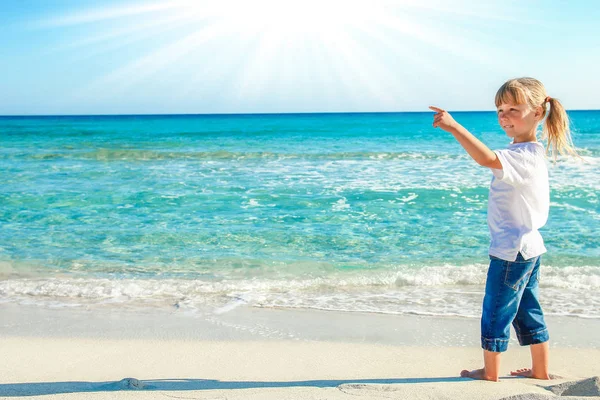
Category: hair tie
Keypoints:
(547, 99)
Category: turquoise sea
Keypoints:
(375, 212)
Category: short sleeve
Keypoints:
(514, 167)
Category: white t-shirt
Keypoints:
(519, 202)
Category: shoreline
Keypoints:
(266, 324)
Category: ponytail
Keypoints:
(556, 130)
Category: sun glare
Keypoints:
(287, 18)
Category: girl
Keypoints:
(518, 206)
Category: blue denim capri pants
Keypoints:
(511, 296)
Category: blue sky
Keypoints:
(253, 56)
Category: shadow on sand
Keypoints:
(45, 388)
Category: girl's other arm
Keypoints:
(477, 150)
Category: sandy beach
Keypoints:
(269, 354)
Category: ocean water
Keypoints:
(354, 212)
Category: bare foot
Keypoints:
(528, 373)
(477, 374)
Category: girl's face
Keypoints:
(518, 120)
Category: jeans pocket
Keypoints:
(517, 274)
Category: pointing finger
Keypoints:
(436, 109)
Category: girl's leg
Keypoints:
(490, 370)
(539, 359)
(531, 329)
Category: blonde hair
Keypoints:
(555, 127)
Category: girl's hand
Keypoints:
(443, 119)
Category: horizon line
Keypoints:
(246, 114)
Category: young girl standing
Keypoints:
(518, 206)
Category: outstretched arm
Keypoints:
(477, 150)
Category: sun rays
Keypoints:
(238, 52)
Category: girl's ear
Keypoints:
(539, 112)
